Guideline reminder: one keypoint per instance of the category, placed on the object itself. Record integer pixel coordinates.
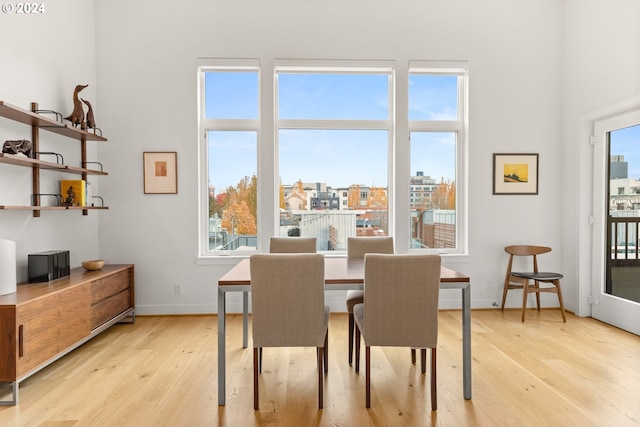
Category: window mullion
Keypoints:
(333, 124)
(435, 126)
(231, 124)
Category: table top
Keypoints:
(337, 270)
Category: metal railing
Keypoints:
(623, 237)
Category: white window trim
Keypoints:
(398, 156)
(346, 67)
(204, 126)
(460, 126)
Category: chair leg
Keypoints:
(260, 360)
(560, 300)
(320, 353)
(256, 399)
(413, 356)
(504, 292)
(423, 360)
(351, 327)
(434, 386)
(537, 285)
(357, 334)
(326, 352)
(367, 356)
(525, 292)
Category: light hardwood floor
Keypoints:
(162, 371)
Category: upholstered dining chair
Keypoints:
(281, 245)
(529, 281)
(289, 245)
(357, 247)
(288, 309)
(400, 309)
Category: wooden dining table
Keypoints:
(340, 274)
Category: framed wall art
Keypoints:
(160, 172)
(515, 173)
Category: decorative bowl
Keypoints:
(93, 264)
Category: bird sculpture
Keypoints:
(91, 121)
(77, 116)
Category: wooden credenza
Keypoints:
(42, 322)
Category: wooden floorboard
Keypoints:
(162, 371)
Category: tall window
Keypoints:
(437, 134)
(318, 149)
(334, 131)
(229, 125)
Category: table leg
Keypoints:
(466, 340)
(222, 351)
(245, 319)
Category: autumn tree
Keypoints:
(237, 206)
(252, 196)
(237, 218)
(353, 198)
(283, 202)
(444, 197)
(217, 204)
(377, 198)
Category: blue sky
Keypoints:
(627, 142)
(338, 158)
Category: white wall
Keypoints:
(145, 79)
(146, 62)
(42, 58)
(601, 77)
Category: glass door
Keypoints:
(616, 255)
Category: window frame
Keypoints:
(205, 125)
(459, 126)
(339, 67)
(399, 129)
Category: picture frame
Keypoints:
(160, 172)
(515, 173)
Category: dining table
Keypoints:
(340, 274)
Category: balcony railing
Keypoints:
(623, 238)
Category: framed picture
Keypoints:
(160, 172)
(515, 173)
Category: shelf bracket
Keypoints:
(84, 165)
(101, 200)
(57, 196)
(58, 115)
(58, 156)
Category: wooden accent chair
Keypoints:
(287, 297)
(282, 245)
(357, 247)
(400, 309)
(523, 280)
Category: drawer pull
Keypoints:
(20, 340)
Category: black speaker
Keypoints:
(49, 265)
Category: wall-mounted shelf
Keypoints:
(37, 122)
(19, 160)
(50, 208)
(34, 119)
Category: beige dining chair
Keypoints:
(290, 245)
(281, 245)
(357, 247)
(400, 309)
(529, 281)
(288, 309)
